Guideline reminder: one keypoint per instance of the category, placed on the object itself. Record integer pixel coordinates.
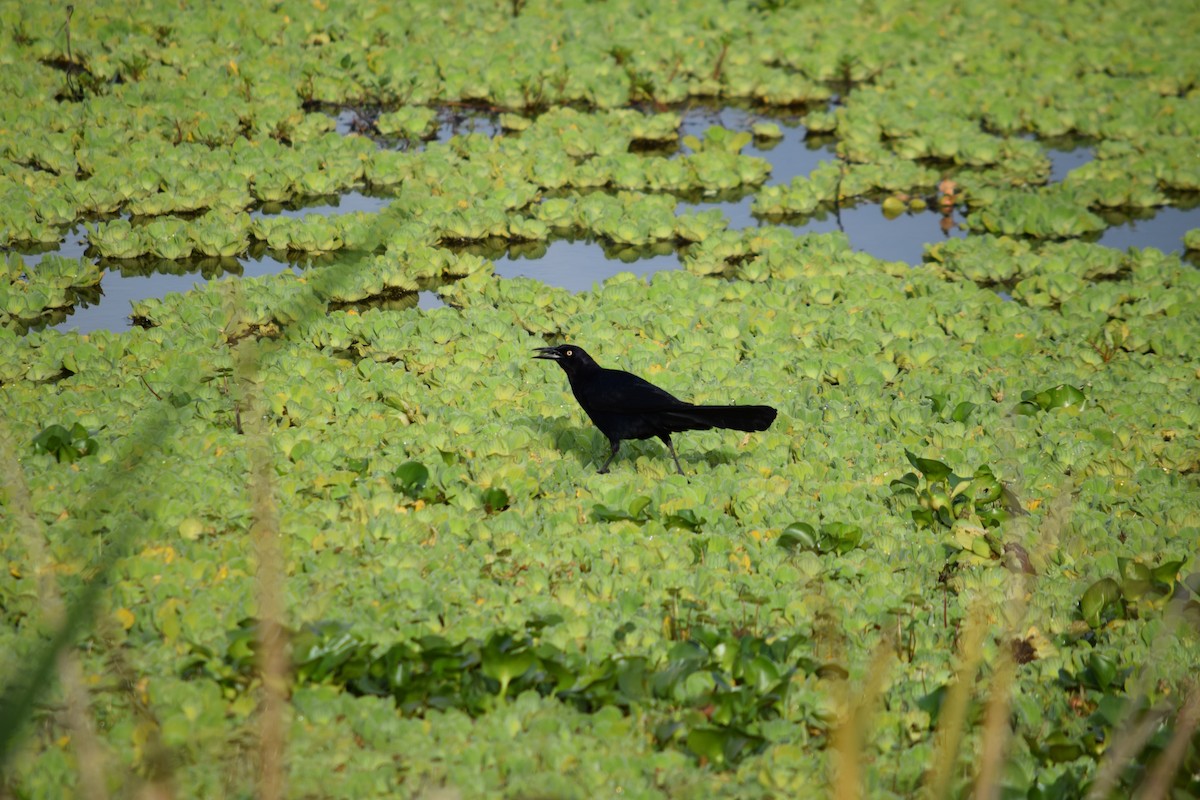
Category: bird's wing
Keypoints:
(615, 390)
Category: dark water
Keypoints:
(123, 286)
(579, 265)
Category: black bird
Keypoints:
(624, 406)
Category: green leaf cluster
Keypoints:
(65, 445)
(181, 123)
(640, 510)
(951, 499)
(708, 696)
(29, 292)
(832, 537)
(1057, 212)
(863, 358)
(1140, 589)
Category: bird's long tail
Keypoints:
(738, 418)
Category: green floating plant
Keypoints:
(495, 499)
(1060, 397)
(65, 444)
(28, 293)
(640, 511)
(412, 478)
(1049, 214)
(945, 498)
(960, 412)
(766, 131)
(176, 129)
(220, 234)
(740, 681)
(1138, 588)
(117, 239)
(409, 123)
(719, 139)
(831, 537)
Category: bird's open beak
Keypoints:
(548, 353)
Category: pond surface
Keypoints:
(1164, 229)
(578, 265)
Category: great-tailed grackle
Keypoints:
(624, 406)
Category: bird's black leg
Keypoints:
(667, 438)
(615, 444)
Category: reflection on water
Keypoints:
(1163, 228)
(582, 264)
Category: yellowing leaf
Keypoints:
(125, 617)
(191, 528)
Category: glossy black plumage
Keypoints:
(624, 406)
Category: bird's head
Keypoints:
(568, 356)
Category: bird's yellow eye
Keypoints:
(570, 352)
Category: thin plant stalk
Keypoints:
(89, 753)
(264, 530)
(849, 739)
(953, 717)
(1162, 774)
(1131, 733)
(996, 729)
(1125, 746)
